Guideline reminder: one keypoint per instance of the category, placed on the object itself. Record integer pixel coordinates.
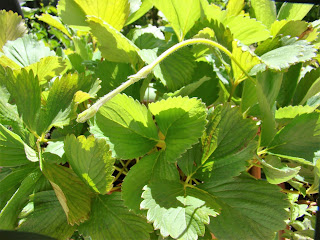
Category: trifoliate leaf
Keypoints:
(114, 46)
(10, 213)
(255, 209)
(227, 132)
(246, 59)
(153, 167)
(74, 12)
(172, 77)
(277, 172)
(26, 50)
(56, 226)
(247, 30)
(12, 27)
(293, 11)
(287, 143)
(178, 211)
(182, 14)
(307, 87)
(128, 125)
(91, 160)
(110, 219)
(181, 121)
(264, 11)
(292, 52)
(54, 22)
(13, 151)
(73, 195)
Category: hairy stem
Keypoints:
(144, 72)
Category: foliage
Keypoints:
(167, 150)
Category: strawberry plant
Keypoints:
(154, 132)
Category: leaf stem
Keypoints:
(144, 72)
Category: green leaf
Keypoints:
(112, 75)
(13, 151)
(182, 14)
(74, 12)
(247, 30)
(114, 46)
(143, 9)
(178, 211)
(48, 217)
(291, 112)
(293, 11)
(147, 38)
(150, 168)
(73, 195)
(268, 86)
(176, 70)
(265, 11)
(54, 152)
(234, 7)
(289, 84)
(110, 219)
(54, 22)
(60, 104)
(227, 166)
(9, 214)
(25, 90)
(47, 68)
(287, 143)
(205, 85)
(227, 132)
(91, 160)
(11, 182)
(12, 27)
(190, 161)
(291, 28)
(26, 50)
(246, 59)
(128, 125)
(307, 87)
(255, 209)
(181, 121)
(277, 172)
(291, 53)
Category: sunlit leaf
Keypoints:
(91, 160)
(128, 125)
(12, 27)
(181, 121)
(178, 211)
